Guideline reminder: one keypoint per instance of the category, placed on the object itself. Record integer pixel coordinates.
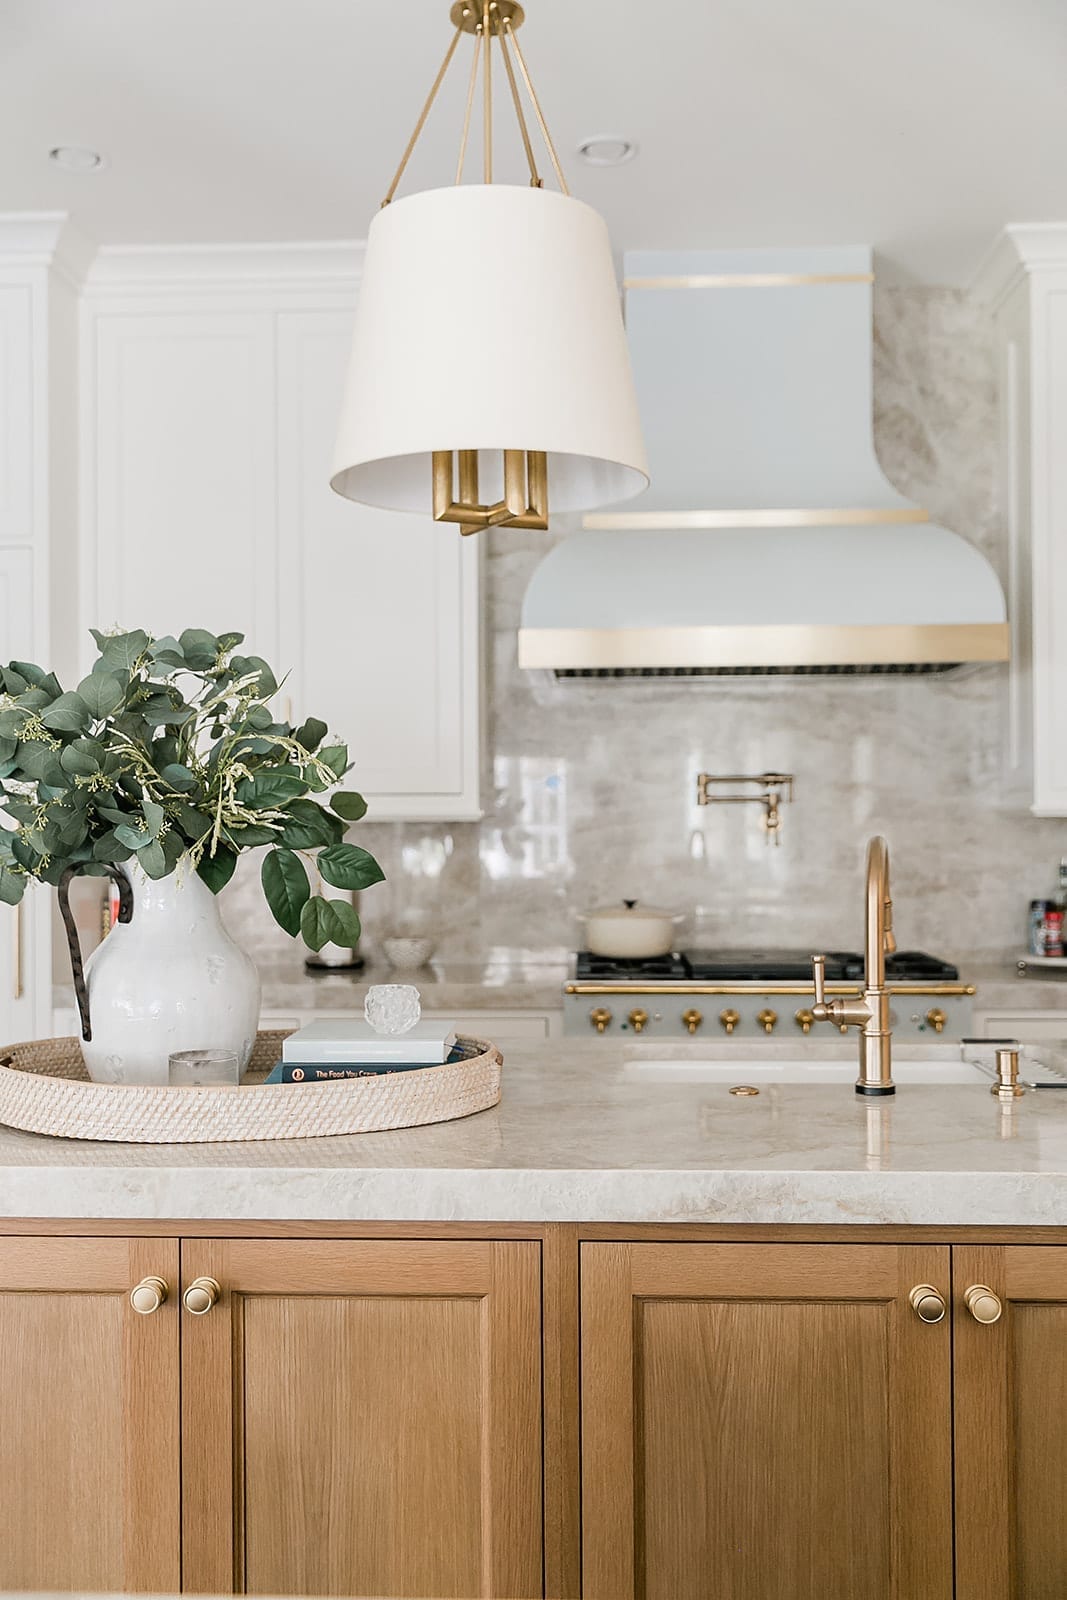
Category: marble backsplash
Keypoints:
(590, 790)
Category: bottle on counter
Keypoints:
(1054, 933)
(1036, 935)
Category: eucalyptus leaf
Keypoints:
(349, 805)
(84, 756)
(243, 666)
(12, 885)
(40, 762)
(347, 866)
(153, 815)
(247, 837)
(24, 852)
(38, 678)
(217, 870)
(230, 641)
(310, 734)
(286, 887)
(153, 860)
(200, 648)
(336, 758)
(8, 745)
(13, 682)
(122, 650)
(134, 838)
(12, 721)
(179, 778)
(68, 714)
(102, 693)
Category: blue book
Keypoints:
(331, 1072)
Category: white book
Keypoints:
(352, 1040)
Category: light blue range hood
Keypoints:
(769, 540)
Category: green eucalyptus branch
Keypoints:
(169, 751)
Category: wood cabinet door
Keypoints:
(363, 1417)
(89, 1411)
(1011, 1423)
(764, 1422)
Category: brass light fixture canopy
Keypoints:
(466, 15)
(481, 396)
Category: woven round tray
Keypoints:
(44, 1088)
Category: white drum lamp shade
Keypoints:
(489, 320)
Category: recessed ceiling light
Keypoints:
(76, 158)
(607, 150)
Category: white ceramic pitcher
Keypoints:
(168, 978)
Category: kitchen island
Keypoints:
(619, 1331)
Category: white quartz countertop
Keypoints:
(579, 1137)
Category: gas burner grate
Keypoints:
(656, 969)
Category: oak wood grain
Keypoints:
(364, 1418)
(774, 1421)
(88, 1418)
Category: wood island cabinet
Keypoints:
(561, 1411)
(764, 1422)
(89, 1449)
(363, 1418)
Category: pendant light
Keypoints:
(489, 379)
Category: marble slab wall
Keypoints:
(590, 785)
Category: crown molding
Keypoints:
(45, 239)
(329, 264)
(1020, 250)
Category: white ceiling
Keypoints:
(921, 126)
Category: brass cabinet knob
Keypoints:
(638, 1020)
(767, 1020)
(729, 1019)
(982, 1303)
(936, 1019)
(201, 1295)
(148, 1295)
(927, 1303)
(805, 1020)
(600, 1017)
(692, 1019)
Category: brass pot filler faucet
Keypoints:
(870, 1013)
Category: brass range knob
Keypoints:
(201, 1295)
(983, 1304)
(767, 1020)
(148, 1295)
(805, 1020)
(936, 1019)
(729, 1019)
(927, 1303)
(692, 1019)
(638, 1020)
(600, 1017)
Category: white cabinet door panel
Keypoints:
(24, 948)
(17, 401)
(379, 617)
(182, 465)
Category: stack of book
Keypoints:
(348, 1047)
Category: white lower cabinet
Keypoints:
(1029, 1026)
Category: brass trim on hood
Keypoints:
(773, 517)
(780, 645)
(745, 280)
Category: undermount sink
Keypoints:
(797, 1071)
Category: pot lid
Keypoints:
(633, 910)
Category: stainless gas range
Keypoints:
(754, 994)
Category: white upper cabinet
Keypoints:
(208, 417)
(179, 448)
(1025, 280)
(16, 414)
(380, 620)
